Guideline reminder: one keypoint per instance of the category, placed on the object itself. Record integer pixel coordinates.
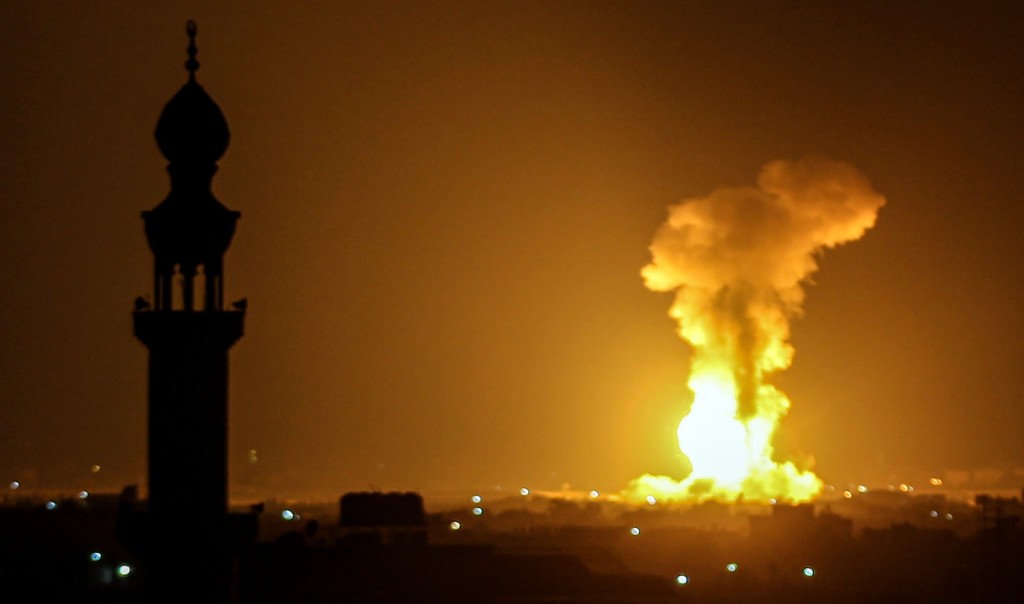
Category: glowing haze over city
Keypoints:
(664, 249)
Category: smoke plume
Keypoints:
(738, 260)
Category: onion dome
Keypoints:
(192, 128)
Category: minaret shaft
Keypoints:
(188, 394)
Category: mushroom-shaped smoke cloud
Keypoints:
(738, 260)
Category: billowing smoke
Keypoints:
(738, 260)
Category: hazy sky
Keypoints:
(445, 210)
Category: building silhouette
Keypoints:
(185, 539)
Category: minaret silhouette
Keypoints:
(188, 333)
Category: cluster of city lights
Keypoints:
(478, 508)
(652, 499)
(525, 491)
(903, 487)
(122, 570)
(51, 504)
(732, 567)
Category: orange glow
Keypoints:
(737, 261)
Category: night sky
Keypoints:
(445, 210)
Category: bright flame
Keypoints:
(737, 260)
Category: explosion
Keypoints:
(738, 260)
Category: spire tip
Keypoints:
(192, 64)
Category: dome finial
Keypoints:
(192, 64)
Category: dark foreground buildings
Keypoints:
(383, 548)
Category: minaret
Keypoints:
(188, 333)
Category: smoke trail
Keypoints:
(737, 260)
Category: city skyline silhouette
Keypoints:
(276, 507)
